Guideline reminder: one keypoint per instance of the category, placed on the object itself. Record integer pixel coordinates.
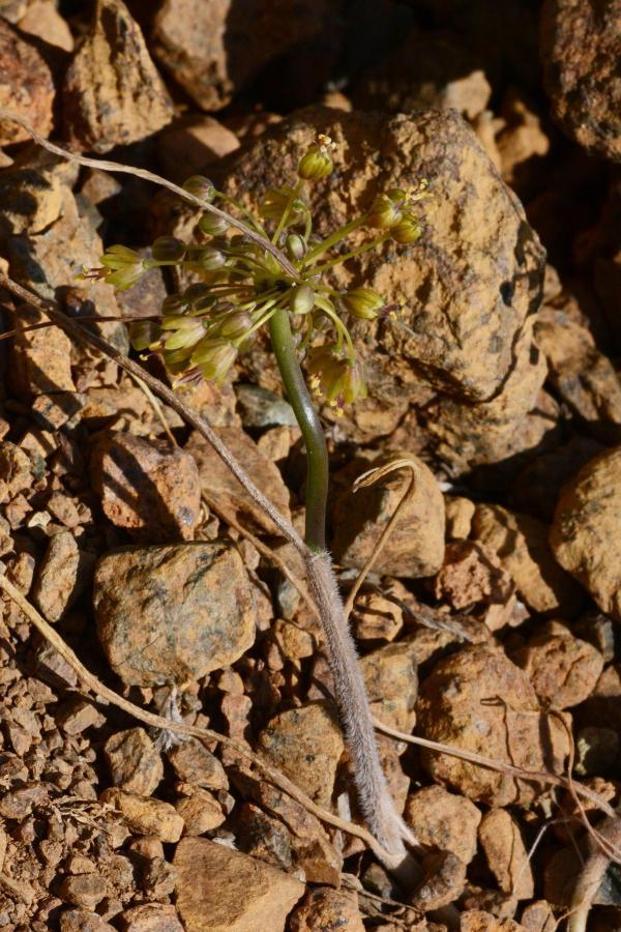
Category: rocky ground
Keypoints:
(490, 621)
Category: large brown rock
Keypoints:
(214, 49)
(113, 94)
(26, 86)
(146, 487)
(219, 890)
(416, 544)
(479, 701)
(171, 613)
(580, 51)
(586, 528)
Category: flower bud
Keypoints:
(200, 187)
(168, 249)
(210, 259)
(406, 231)
(235, 326)
(384, 213)
(363, 303)
(315, 164)
(302, 299)
(295, 246)
(214, 358)
(186, 331)
(212, 225)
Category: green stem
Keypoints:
(332, 240)
(310, 425)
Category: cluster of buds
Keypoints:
(238, 284)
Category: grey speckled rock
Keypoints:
(172, 613)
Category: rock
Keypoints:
(200, 811)
(219, 890)
(129, 100)
(63, 575)
(539, 917)
(26, 86)
(187, 146)
(443, 820)
(327, 909)
(145, 815)
(427, 71)
(416, 544)
(522, 144)
(478, 920)
(473, 579)
(391, 680)
(459, 514)
(146, 487)
(134, 763)
(580, 54)
(31, 200)
(214, 51)
(586, 523)
(517, 420)
(85, 890)
(50, 264)
(76, 715)
(584, 378)
(83, 920)
(465, 702)
(221, 485)
(562, 668)
(520, 542)
(147, 603)
(150, 917)
(194, 764)
(15, 471)
(307, 745)
(443, 883)
(506, 855)
(375, 618)
(40, 359)
(43, 21)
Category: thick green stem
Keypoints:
(310, 425)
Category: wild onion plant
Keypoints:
(276, 274)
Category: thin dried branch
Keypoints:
(534, 776)
(592, 874)
(157, 721)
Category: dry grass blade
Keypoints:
(157, 721)
(368, 478)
